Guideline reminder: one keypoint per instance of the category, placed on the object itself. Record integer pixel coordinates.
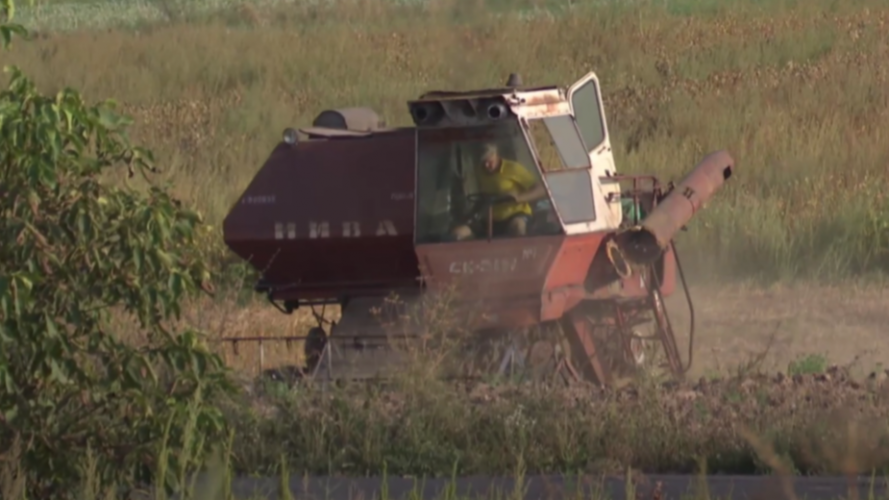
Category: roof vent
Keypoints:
(354, 119)
(345, 122)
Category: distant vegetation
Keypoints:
(64, 15)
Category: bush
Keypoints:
(75, 250)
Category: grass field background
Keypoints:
(797, 91)
(65, 15)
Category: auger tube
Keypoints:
(646, 242)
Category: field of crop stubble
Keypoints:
(797, 91)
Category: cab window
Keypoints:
(566, 163)
(588, 110)
(558, 143)
(464, 178)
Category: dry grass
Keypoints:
(845, 324)
(815, 423)
(796, 91)
(814, 418)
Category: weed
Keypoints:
(811, 364)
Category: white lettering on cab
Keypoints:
(321, 229)
(502, 265)
(484, 266)
(268, 199)
(351, 229)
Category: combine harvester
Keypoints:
(505, 203)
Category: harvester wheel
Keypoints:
(523, 353)
(643, 348)
(313, 348)
(637, 351)
(539, 359)
(617, 352)
(545, 354)
(548, 355)
(478, 355)
(604, 347)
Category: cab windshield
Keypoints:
(467, 178)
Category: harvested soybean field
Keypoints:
(786, 264)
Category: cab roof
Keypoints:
(493, 92)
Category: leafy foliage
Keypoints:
(74, 251)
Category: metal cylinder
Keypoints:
(644, 243)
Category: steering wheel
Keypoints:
(480, 203)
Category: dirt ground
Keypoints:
(734, 325)
(846, 324)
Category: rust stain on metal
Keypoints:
(550, 97)
(491, 92)
(540, 104)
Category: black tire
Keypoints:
(316, 341)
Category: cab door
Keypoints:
(585, 98)
(497, 278)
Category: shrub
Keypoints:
(74, 250)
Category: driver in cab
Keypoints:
(498, 176)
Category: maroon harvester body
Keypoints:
(331, 218)
(351, 212)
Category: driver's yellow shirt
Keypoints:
(512, 177)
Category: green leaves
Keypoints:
(77, 248)
(7, 29)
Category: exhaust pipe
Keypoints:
(646, 242)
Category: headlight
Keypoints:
(290, 136)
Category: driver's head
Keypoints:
(490, 157)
